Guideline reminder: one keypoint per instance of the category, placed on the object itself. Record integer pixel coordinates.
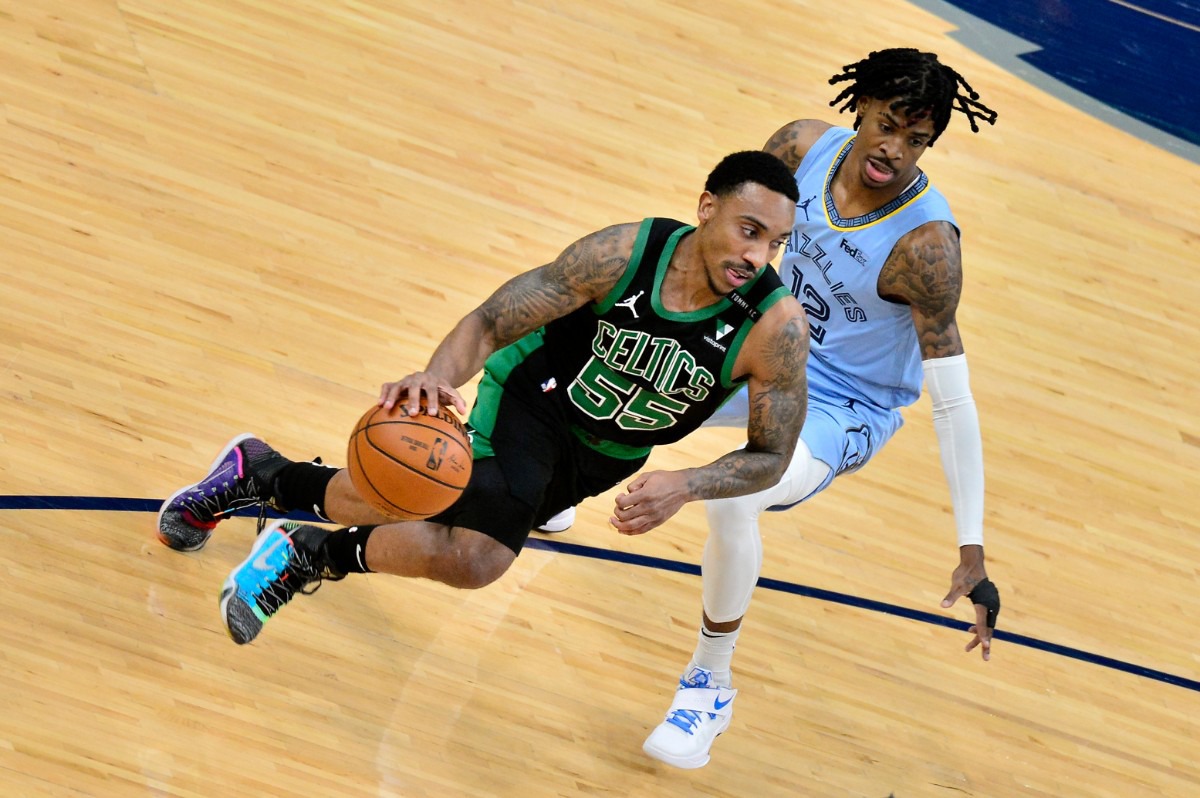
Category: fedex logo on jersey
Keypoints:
(854, 252)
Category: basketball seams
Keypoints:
(393, 455)
(366, 478)
(366, 433)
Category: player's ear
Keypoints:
(861, 107)
(708, 207)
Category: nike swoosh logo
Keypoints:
(719, 704)
(260, 562)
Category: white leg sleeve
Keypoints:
(733, 552)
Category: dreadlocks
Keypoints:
(916, 82)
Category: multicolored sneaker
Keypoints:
(241, 476)
(701, 711)
(287, 557)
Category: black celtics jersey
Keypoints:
(628, 371)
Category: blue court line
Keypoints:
(93, 503)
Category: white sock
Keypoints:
(714, 652)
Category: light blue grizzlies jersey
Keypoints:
(865, 362)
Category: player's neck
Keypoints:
(686, 285)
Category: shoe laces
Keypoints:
(302, 573)
(687, 719)
(206, 507)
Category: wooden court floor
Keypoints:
(220, 216)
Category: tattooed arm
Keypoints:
(774, 358)
(925, 271)
(778, 396)
(584, 272)
(793, 140)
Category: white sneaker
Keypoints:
(559, 523)
(700, 711)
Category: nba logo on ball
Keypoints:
(436, 454)
(409, 467)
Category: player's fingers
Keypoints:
(422, 388)
(455, 399)
(390, 395)
(636, 526)
(956, 592)
(433, 396)
(981, 617)
(982, 639)
(625, 525)
(637, 484)
(986, 598)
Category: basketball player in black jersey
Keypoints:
(631, 338)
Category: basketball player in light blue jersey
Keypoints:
(874, 258)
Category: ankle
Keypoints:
(299, 486)
(346, 549)
(703, 676)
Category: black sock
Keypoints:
(301, 486)
(347, 549)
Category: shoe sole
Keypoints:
(229, 588)
(686, 763)
(216, 461)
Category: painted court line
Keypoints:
(102, 503)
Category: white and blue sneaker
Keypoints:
(560, 522)
(701, 710)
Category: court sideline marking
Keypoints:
(102, 503)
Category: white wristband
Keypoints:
(956, 422)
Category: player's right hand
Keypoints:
(410, 390)
(970, 579)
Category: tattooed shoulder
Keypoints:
(584, 272)
(924, 271)
(593, 264)
(793, 140)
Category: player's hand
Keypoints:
(652, 498)
(409, 391)
(970, 579)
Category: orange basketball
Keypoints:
(409, 467)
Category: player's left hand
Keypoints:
(652, 498)
(970, 579)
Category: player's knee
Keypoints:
(733, 516)
(470, 566)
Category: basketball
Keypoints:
(409, 467)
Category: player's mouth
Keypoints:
(738, 277)
(879, 171)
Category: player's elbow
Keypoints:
(772, 463)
